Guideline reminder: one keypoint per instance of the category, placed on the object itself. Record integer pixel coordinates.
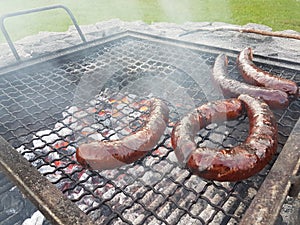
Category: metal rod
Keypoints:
(10, 42)
(49, 200)
(8, 39)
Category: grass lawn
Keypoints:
(278, 14)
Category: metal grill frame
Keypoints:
(264, 208)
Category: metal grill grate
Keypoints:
(48, 108)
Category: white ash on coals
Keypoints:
(155, 182)
(53, 150)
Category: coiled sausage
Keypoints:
(233, 164)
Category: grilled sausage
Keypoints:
(233, 164)
(102, 155)
(256, 76)
(233, 88)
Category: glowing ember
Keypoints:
(102, 119)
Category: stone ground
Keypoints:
(214, 34)
(196, 32)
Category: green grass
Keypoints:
(278, 14)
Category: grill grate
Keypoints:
(47, 109)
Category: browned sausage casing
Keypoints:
(233, 164)
(233, 88)
(256, 76)
(100, 155)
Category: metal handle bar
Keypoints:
(7, 37)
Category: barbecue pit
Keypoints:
(46, 103)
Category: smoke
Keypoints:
(176, 11)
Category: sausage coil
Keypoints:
(256, 76)
(233, 88)
(234, 164)
(100, 155)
